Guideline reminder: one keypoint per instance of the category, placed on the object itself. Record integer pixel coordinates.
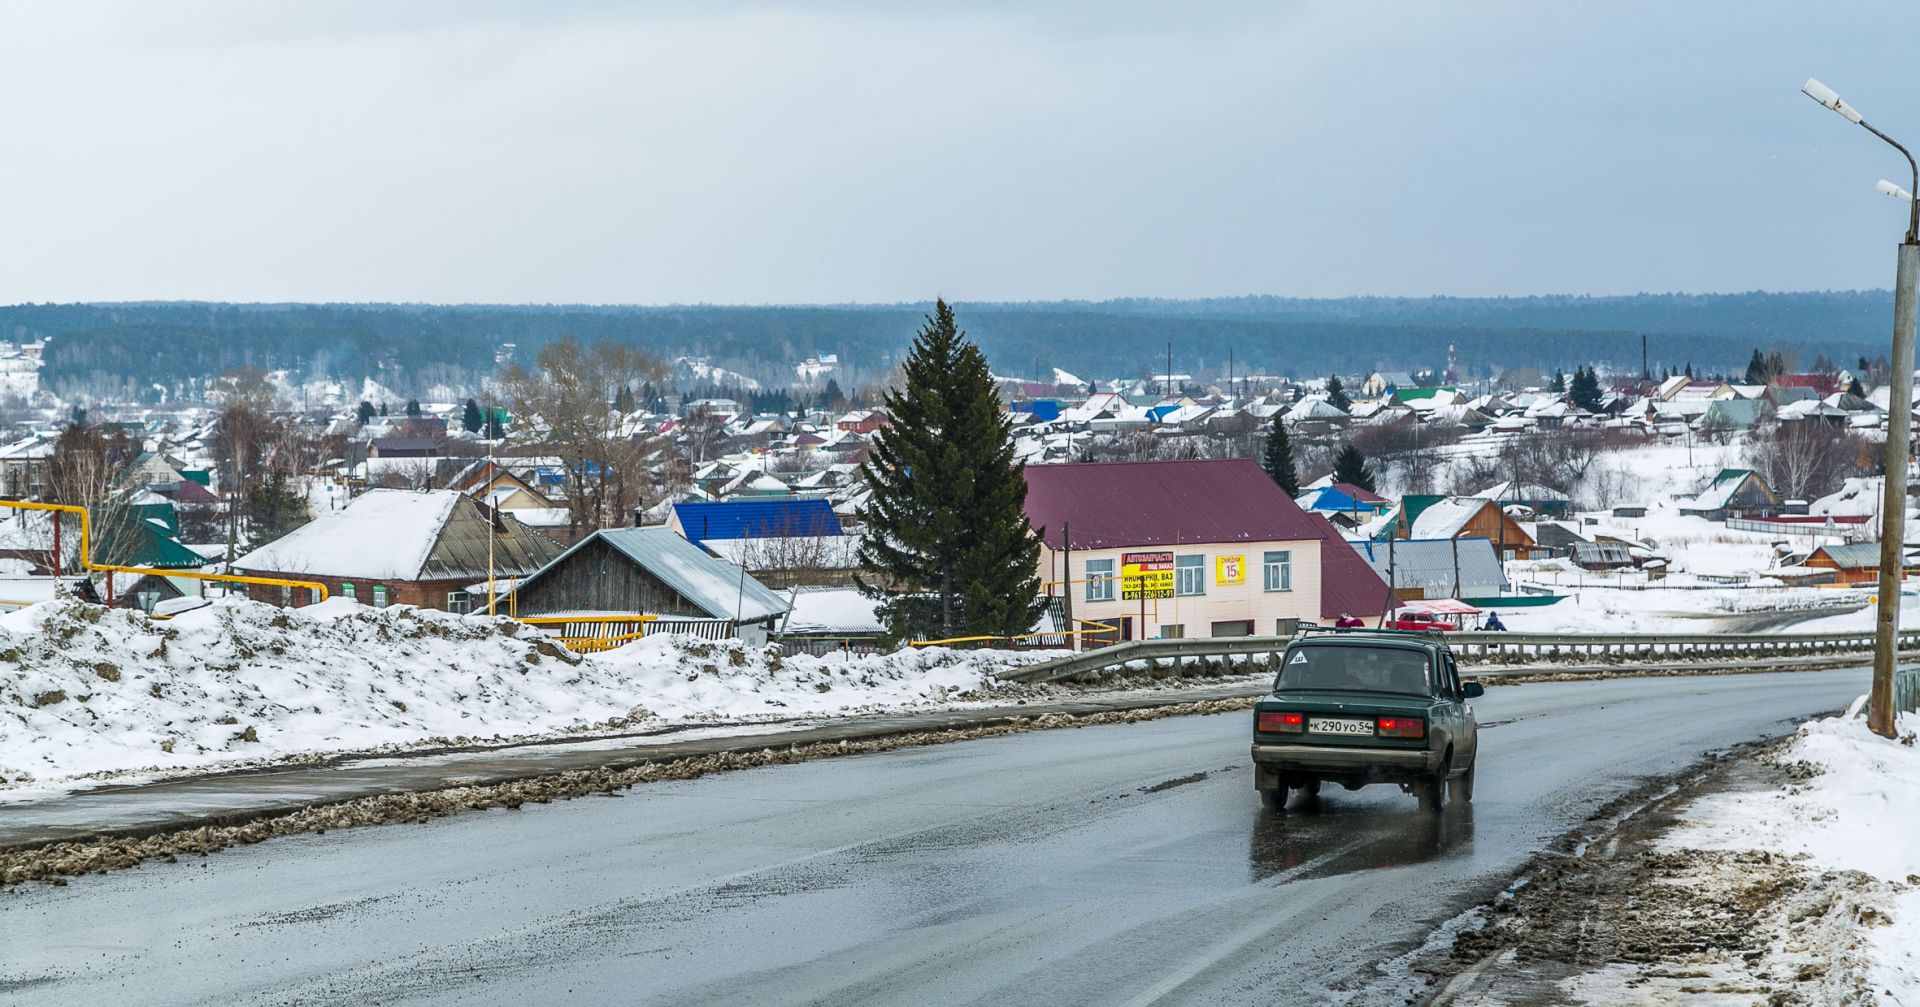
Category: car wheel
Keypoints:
(1274, 799)
(1462, 785)
(1432, 791)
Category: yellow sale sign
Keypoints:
(1229, 570)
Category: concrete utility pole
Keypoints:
(1893, 505)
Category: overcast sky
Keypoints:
(854, 151)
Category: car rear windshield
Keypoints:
(1356, 669)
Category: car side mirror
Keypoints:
(1473, 690)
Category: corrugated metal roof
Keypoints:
(714, 586)
(1112, 504)
(783, 518)
(1853, 555)
(1428, 564)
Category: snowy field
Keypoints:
(92, 692)
(1856, 809)
(1730, 610)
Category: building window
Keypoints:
(459, 602)
(1100, 580)
(346, 589)
(1173, 632)
(379, 596)
(1189, 575)
(1279, 571)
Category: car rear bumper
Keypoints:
(1345, 758)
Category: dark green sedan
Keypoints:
(1359, 707)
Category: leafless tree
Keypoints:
(86, 469)
(705, 429)
(565, 407)
(1805, 459)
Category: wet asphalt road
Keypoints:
(1128, 864)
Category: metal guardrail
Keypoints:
(1482, 647)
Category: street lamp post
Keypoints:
(1893, 506)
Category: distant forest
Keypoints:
(124, 350)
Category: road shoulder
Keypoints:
(1623, 912)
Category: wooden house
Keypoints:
(652, 571)
(1430, 517)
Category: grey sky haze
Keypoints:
(849, 151)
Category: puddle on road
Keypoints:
(1379, 838)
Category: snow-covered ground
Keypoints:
(1856, 809)
(1786, 610)
(90, 691)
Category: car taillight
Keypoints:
(1279, 723)
(1401, 727)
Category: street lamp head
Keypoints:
(1827, 96)
(1893, 190)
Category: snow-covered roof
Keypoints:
(402, 535)
(715, 586)
(1445, 518)
(383, 535)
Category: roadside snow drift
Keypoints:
(1854, 806)
(87, 691)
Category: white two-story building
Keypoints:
(1190, 549)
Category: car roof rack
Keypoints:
(1430, 634)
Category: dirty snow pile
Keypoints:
(89, 691)
(1855, 806)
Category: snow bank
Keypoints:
(90, 691)
(1855, 806)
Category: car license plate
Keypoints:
(1330, 725)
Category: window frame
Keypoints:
(1194, 565)
(381, 596)
(1102, 584)
(460, 602)
(1269, 566)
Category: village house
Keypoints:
(401, 547)
(1436, 517)
(654, 572)
(1856, 562)
(1189, 549)
(1344, 503)
(1733, 493)
(1542, 500)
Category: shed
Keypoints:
(1601, 556)
(621, 571)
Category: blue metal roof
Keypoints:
(783, 517)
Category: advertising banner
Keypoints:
(1146, 575)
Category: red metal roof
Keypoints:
(1348, 586)
(1109, 505)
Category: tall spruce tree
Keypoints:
(470, 417)
(1585, 389)
(1757, 369)
(947, 550)
(1350, 466)
(1278, 460)
(1337, 394)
